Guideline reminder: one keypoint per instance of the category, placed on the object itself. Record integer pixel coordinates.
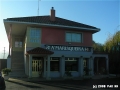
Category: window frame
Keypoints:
(34, 37)
(80, 33)
(51, 60)
(18, 42)
(70, 60)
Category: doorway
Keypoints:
(37, 67)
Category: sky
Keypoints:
(103, 14)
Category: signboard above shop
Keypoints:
(68, 48)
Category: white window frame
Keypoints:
(68, 59)
(35, 34)
(52, 60)
(18, 43)
(70, 37)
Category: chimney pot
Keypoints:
(52, 8)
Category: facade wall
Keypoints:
(13, 43)
(57, 37)
(53, 36)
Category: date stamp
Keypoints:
(105, 86)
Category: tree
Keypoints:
(111, 46)
(112, 41)
(97, 47)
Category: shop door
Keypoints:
(36, 68)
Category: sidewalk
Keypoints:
(42, 79)
(61, 79)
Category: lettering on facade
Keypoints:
(67, 48)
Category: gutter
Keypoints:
(42, 24)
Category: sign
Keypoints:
(67, 48)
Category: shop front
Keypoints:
(51, 61)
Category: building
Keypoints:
(3, 64)
(47, 46)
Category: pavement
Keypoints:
(37, 84)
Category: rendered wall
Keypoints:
(57, 36)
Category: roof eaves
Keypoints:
(43, 24)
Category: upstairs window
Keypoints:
(34, 35)
(73, 37)
(18, 42)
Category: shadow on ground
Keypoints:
(86, 84)
(23, 84)
(81, 84)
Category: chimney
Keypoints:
(52, 14)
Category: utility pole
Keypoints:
(4, 53)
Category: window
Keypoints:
(71, 64)
(73, 37)
(54, 64)
(85, 64)
(18, 42)
(34, 35)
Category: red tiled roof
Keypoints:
(46, 20)
(39, 50)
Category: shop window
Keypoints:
(34, 35)
(18, 42)
(73, 37)
(85, 64)
(71, 64)
(54, 63)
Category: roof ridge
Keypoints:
(28, 17)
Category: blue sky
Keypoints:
(103, 14)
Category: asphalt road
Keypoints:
(62, 85)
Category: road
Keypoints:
(59, 85)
